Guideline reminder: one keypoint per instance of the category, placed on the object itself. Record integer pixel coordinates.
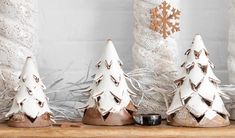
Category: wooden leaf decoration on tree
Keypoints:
(165, 19)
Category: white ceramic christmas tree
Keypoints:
(30, 108)
(109, 102)
(197, 102)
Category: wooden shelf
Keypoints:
(77, 130)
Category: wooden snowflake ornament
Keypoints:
(165, 19)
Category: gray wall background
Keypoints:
(73, 32)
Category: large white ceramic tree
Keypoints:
(30, 108)
(197, 102)
(109, 102)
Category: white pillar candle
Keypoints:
(18, 40)
(231, 47)
(152, 51)
(231, 56)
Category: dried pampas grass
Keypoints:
(154, 94)
(65, 99)
(228, 95)
(155, 90)
(66, 102)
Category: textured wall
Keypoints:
(75, 31)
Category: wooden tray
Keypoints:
(77, 130)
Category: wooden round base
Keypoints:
(184, 119)
(93, 117)
(22, 121)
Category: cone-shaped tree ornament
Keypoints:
(109, 102)
(197, 102)
(30, 108)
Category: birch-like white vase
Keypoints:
(231, 46)
(152, 51)
(18, 40)
(231, 51)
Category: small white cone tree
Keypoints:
(30, 108)
(109, 102)
(197, 102)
